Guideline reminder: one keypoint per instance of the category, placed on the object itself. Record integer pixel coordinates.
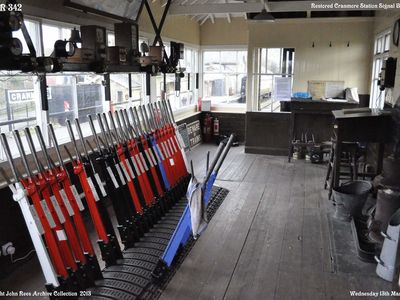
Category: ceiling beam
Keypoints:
(284, 6)
(204, 20)
(215, 8)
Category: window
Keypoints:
(74, 96)
(273, 63)
(224, 76)
(381, 52)
(20, 96)
(54, 33)
(120, 98)
(33, 28)
(187, 94)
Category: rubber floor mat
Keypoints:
(131, 277)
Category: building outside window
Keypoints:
(381, 52)
(225, 76)
(74, 96)
(273, 63)
(120, 90)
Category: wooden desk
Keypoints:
(371, 127)
(313, 117)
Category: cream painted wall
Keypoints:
(221, 32)
(351, 64)
(384, 21)
(181, 28)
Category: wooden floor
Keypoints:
(271, 237)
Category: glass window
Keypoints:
(273, 63)
(111, 39)
(52, 34)
(74, 96)
(387, 43)
(19, 96)
(120, 90)
(33, 28)
(382, 47)
(224, 76)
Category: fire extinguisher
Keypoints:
(216, 127)
(207, 128)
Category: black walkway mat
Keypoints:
(131, 277)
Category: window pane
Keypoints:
(18, 98)
(228, 61)
(73, 96)
(387, 42)
(265, 92)
(52, 34)
(138, 95)
(274, 61)
(212, 61)
(378, 66)
(379, 45)
(119, 91)
(228, 85)
(242, 61)
(111, 40)
(66, 33)
(34, 33)
(263, 60)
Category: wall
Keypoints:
(339, 62)
(180, 28)
(221, 32)
(383, 21)
(267, 133)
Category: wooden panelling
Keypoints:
(267, 133)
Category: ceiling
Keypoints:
(203, 10)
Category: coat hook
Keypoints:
(330, 44)
(348, 44)
(313, 45)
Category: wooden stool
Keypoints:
(348, 159)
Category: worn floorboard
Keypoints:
(270, 244)
(272, 238)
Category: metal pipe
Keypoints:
(135, 124)
(31, 145)
(96, 138)
(147, 118)
(7, 150)
(224, 154)
(125, 138)
(105, 142)
(50, 163)
(21, 150)
(138, 120)
(79, 129)
(170, 109)
(214, 162)
(54, 139)
(145, 125)
(114, 128)
(72, 136)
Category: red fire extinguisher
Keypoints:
(216, 127)
(207, 128)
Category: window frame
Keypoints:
(377, 97)
(226, 107)
(258, 74)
